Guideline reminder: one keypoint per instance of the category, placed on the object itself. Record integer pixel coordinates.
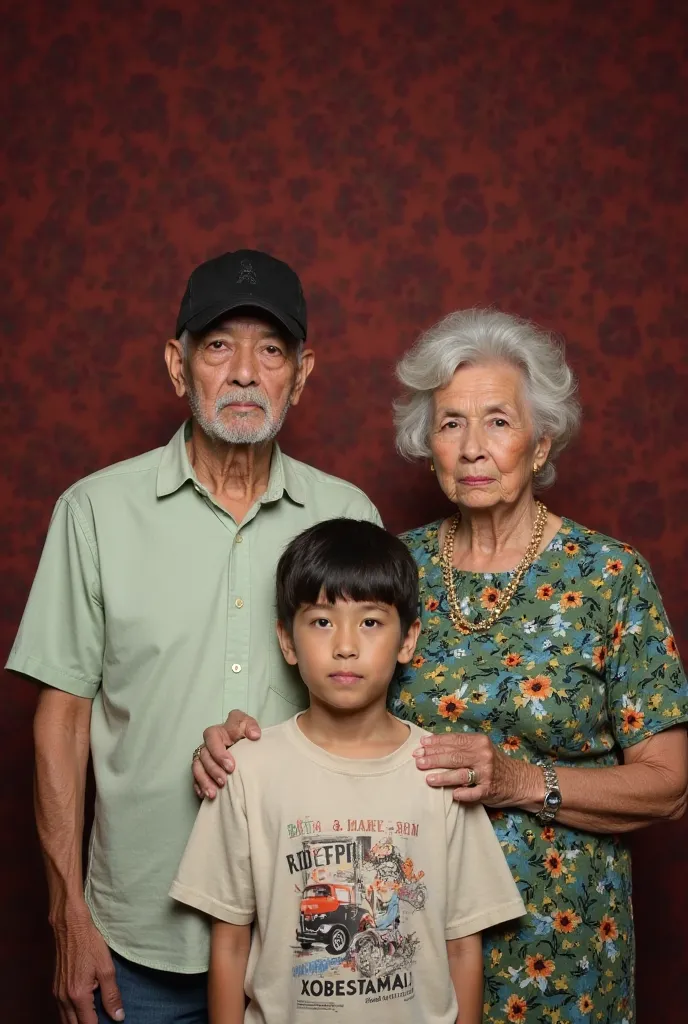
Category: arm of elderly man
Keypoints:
(61, 736)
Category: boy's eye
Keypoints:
(321, 622)
(371, 622)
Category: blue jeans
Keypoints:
(158, 997)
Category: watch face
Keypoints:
(553, 800)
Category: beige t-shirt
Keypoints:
(355, 873)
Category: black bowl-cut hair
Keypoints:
(347, 559)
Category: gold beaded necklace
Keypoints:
(460, 622)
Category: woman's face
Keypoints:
(482, 439)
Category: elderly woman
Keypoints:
(546, 666)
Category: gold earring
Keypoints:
(432, 467)
(536, 469)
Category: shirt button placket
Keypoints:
(236, 688)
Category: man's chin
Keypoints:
(238, 433)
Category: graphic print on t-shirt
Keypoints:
(359, 891)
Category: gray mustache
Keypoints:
(239, 396)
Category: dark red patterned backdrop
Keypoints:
(408, 158)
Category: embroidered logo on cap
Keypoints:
(247, 273)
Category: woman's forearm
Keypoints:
(621, 798)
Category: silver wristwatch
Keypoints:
(552, 801)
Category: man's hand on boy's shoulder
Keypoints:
(211, 763)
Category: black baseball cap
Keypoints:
(245, 278)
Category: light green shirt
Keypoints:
(152, 601)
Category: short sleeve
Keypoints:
(215, 874)
(61, 636)
(646, 684)
(481, 891)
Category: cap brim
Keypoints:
(209, 315)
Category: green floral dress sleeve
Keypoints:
(647, 690)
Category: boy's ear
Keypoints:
(286, 642)
(408, 646)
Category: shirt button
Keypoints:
(236, 668)
(238, 539)
(239, 603)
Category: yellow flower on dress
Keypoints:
(607, 929)
(451, 707)
(633, 719)
(406, 698)
(614, 566)
(511, 743)
(599, 657)
(512, 660)
(554, 862)
(585, 1004)
(617, 635)
(539, 967)
(544, 592)
(565, 920)
(489, 597)
(536, 688)
(515, 1009)
(670, 646)
(571, 548)
(571, 599)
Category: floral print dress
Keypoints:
(581, 665)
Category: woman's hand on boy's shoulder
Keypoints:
(211, 763)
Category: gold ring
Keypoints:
(472, 778)
(196, 756)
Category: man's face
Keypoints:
(240, 377)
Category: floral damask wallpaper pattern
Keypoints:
(408, 158)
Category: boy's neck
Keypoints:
(367, 733)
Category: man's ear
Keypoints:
(303, 372)
(408, 646)
(174, 358)
(286, 642)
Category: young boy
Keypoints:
(367, 889)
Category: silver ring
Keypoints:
(472, 778)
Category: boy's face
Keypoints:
(347, 651)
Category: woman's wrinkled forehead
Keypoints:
(483, 388)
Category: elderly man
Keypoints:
(150, 617)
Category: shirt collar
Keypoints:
(175, 469)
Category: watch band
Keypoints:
(552, 801)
